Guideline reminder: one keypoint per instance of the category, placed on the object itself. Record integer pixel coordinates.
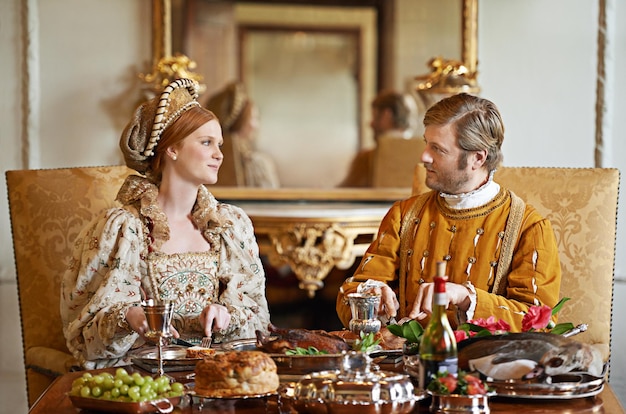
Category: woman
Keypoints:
(170, 240)
(239, 117)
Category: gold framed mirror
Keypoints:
(218, 35)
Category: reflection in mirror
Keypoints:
(315, 69)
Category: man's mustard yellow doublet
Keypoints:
(471, 242)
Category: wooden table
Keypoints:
(55, 400)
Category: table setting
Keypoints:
(368, 368)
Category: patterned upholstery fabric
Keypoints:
(47, 209)
(581, 204)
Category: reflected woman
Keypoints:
(169, 239)
(239, 117)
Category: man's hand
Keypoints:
(389, 304)
(458, 295)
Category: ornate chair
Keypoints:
(47, 210)
(581, 204)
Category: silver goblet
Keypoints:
(159, 319)
(364, 308)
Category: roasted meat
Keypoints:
(280, 340)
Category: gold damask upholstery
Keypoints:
(47, 209)
(581, 204)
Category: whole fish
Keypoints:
(528, 354)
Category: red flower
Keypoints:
(449, 382)
(492, 324)
(461, 335)
(537, 317)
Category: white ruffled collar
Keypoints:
(475, 198)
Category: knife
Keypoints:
(182, 342)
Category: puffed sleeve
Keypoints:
(242, 274)
(102, 281)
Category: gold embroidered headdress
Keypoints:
(142, 134)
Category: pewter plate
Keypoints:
(174, 359)
(558, 387)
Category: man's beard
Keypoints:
(451, 183)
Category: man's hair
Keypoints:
(476, 121)
(399, 106)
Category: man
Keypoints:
(501, 254)
(392, 117)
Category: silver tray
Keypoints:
(174, 359)
(557, 387)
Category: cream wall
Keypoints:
(537, 61)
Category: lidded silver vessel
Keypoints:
(357, 385)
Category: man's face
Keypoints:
(447, 166)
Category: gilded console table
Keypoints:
(311, 230)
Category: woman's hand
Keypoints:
(458, 295)
(214, 317)
(137, 321)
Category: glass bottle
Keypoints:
(437, 350)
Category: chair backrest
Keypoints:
(395, 160)
(48, 208)
(581, 204)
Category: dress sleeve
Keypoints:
(242, 274)
(102, 281)
(534, 279)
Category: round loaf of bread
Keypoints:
(235, 374)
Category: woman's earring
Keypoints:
(174, 157)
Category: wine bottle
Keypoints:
(437, 349)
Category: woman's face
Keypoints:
(198, 157)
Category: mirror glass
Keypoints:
(313, 70)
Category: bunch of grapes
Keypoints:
(125, 387)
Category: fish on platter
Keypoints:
(527, 355)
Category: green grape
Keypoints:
(96, 391)
(87, 375)
(142, 399)
(78, 382)
(134, 392)
(146, 389)
(121, 372)
(108, 383)
(127, 379)
(98, 379)
(139, 380)
(117, 383)
(75, 390)
(162, 388)
(85, 391)
(178, 387)
(107, 395)
(124, 389)
(115, 392)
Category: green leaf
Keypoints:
(410, 330)
(559, 305)
(561, 328)
(366, 342)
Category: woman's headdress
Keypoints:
(228, 104)
(142, 134)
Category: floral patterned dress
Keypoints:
(117, 261)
